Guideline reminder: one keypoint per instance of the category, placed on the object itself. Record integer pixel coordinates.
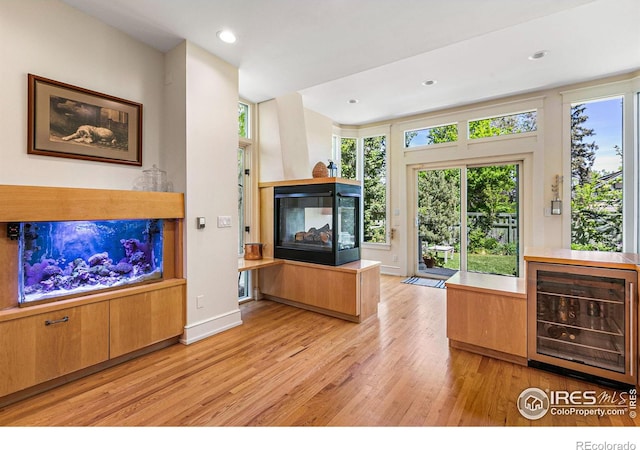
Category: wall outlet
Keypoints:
(200, 301)
(224, 221)
(395, 258)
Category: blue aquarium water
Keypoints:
(63, 259)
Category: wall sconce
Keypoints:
(556, 203)
(333, 169)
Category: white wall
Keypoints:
(190, 129)
(211, 191)
(50, 39)
(291, 139)
(318, 128)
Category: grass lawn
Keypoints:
(503, 265)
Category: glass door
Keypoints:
(480, 203)
(492, 212)
(438, 220)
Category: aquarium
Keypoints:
(65, 259)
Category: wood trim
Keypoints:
(248, 264)
(496, 284)
(267, 184)
(34, 203)
(488, 352)
(353, 267)
(8, 274)
(17, 313)
(583, 258)
(266, 220)
(317, 309)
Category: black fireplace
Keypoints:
(317, 223)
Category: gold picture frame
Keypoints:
(72, 122)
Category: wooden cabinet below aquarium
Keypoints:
(48, 343)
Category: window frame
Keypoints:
(360, 135)
(629, 90)
(251, 206)
(408, 147)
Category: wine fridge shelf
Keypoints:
(603, 325)
(585, 340)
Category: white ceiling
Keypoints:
(380, 51)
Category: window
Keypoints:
(245, 197)
(597, 175)
(243, 120)
(348, 158)
(244, 278)
(375, 189)
(430, 136)
(501, 125)
(365, 159)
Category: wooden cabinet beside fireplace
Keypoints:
(350, 291)
(45, 345)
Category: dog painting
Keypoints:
(74, 122)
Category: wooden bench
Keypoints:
(487, 314)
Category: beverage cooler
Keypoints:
(582, 321)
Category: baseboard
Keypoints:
(488, 352)
(201, 330)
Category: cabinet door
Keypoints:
(46, 346)
(140, 320)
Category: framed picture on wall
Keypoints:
(73, 122)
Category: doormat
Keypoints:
(425, 282)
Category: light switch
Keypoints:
(201, 222)
(224, 221)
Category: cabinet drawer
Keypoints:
(137, 321)
(39, 348)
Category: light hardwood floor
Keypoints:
(289, 367)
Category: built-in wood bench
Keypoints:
(487, 314)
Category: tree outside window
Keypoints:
(375, 189)
(596, 175)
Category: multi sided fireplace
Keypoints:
(317, 223)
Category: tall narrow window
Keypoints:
(244, 194)
(244, 278)
(348, 158)
(597, 175)
(375, 189)
(243, 120)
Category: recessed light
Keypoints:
(429, 82)
(353, 101)
(226, 36)
(538, 55)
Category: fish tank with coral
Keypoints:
(66, 259)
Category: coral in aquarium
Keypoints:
(65, 258)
